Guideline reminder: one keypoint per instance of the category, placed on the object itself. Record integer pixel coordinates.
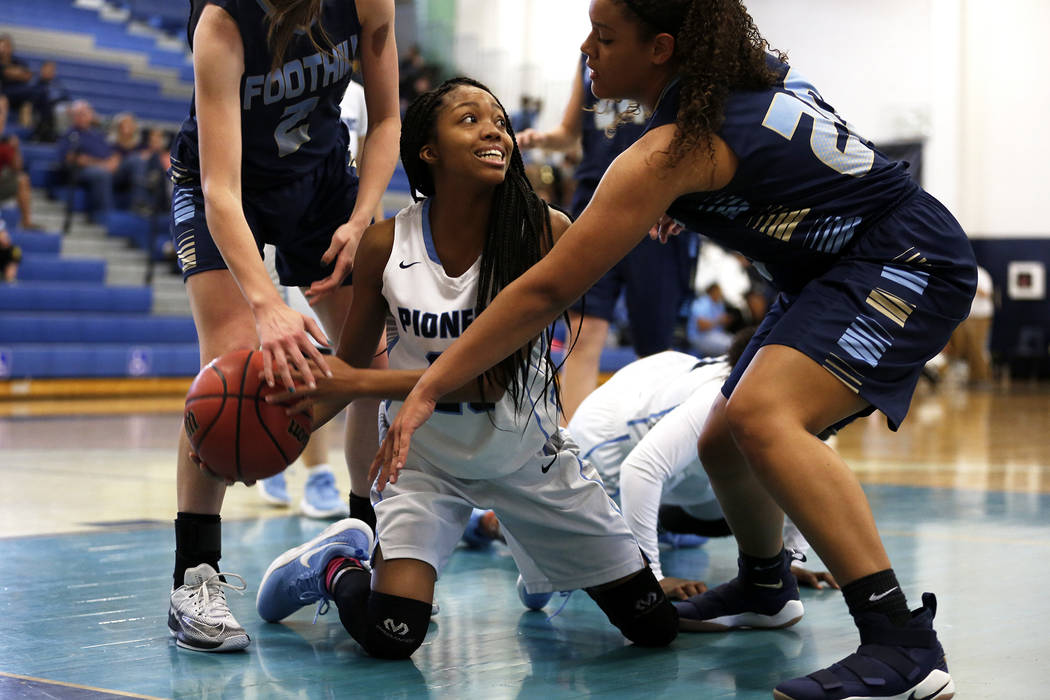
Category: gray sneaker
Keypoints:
(199, 617)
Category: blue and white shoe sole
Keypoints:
(788, 615)
(330, 531)
(936, 686)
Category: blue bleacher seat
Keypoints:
(48, 268)
(37, 243)
(95, 328)
(57, 296)
(68, 360)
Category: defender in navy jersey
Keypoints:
(262, 159)
(652, 278)
(495, 443)
(873, 273)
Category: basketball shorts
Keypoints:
(298, 218)
(604, 435)
(881, 312)
(654, 279)
(563, 530)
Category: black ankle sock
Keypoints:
(879, 593)
(198, 540)
(361, 508)
(762, 569)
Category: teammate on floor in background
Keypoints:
(262, 158)
(653, 278)
(495, 442)
(873, 275)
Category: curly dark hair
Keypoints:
(518, 235)
(719, 49)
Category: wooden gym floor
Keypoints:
(962, 496)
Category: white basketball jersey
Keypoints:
(431, 310)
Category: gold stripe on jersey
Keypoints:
(187, 250)
(779, 225)
(890, 305)
(915, 257)
(841, 369)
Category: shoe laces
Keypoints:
(209, 593)
(565, 595)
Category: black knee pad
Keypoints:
(640, 610)
(394, 626)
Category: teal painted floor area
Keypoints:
(89, 609)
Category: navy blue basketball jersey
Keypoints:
(289, 116)
(599, 147)
(806, 184)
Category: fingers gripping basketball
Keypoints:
(236, 434)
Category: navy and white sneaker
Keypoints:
(274, 490)
(321, 497)
(532, 601)
(198, 616)
(906, 663)
(296, 578)
(744, 603)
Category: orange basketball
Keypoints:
(236, 434)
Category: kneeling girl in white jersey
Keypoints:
(494, 443)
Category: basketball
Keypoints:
(236, 434)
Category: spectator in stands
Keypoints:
(10, 256)
(14, 181)
(708, 320)
(53, 94)
(16, 81)
(130, 174)
(91, 159)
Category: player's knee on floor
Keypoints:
(639, 609)
(394, 627)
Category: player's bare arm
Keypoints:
(218, 61)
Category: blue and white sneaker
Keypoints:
(296, 578)
(474, 536)
(274, 490)
(744, 604)
(321, 498)
(532, 601)
(892, 662)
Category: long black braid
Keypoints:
(518, 235)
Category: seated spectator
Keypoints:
(130, 174)
(708, 320)
(91, 159)
(17, 84)
(14, 181)
(10, 256)
(53, 94)
(158, 162)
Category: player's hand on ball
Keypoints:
(212, 475)
(284, 339)
(663, 229)
(814, 579)
(681, 588)
(334, 391)
(392, 453)
(341, 252)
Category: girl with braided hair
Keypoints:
(873, 275)
(494, 442)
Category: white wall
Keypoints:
(966, 75)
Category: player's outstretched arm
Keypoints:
(379, 152)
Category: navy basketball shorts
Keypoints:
(881, 312)
(298, 218)
(654, 279)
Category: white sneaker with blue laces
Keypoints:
(296, 578)
(274, 490)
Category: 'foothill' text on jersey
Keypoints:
(805, 187)
(289, 116)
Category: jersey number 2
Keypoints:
(853, 157)
(293, 131)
